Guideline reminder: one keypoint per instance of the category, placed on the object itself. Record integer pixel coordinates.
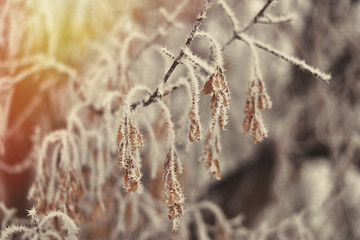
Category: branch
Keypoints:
(270, 19)
(293, 60)
(257, 17)
(235, 22)
(190, 38)
(170, 21)
(155, 95)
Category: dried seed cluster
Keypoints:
(173, 192)
(195, 125)
(129, 141)
(210, 154)
(67, 198)
(220, 100)
(257, 100)
(218, 88)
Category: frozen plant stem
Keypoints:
(235, 22)
(188, 41)
(237, 35)
(257, 17)
(293, 60)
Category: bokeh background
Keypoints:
(301, 182)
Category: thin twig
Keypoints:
(190, 38)
(155, 95)
(237, 35)
(257, 17)
(270, 19)
(293, 60)
(234, 20)
(157, 35)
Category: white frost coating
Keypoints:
(100, 168)
(255, 64)
(170, 18)
(7, 213)
(197, 60)
(16, 168)
(167, 52)
(291, 59)
(214, 209)
(110, 116)
(16, 125)
(194, 85)
(74, 122)
(271, 19)
(74, 152)
(105, 54)
(123, 61)
(230, 13)
(44, 64)
(68, 223)
(195, 93)
(65, 152)
(170, 127)
(131, 94)
(51, 184)
(200, 226)
(215, 45)
(170, 134)
(53, 234)
(48, 139)
(13, 229)
(154, 148)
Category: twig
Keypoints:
(234, 20)
(237, 35)
(257, 17)
(270, 19)
(169, 23)
(190, 38)
(155, 95)
(293, 60)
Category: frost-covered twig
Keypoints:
(16, 168)
(190, 38)
(43, 63)
(170, 21)
(291, 59)
(230, 13)
(41, 227)
(8, 214)
(257, 98)
(215, 47)
(172, 168)
(188, 41)
(195, 123)
(197, 61)
(259, 18)
(13, 229)
(255, 19)
(270, 19)
(129, 141)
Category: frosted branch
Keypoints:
(197, 61)
(288, 58)
(270, 19)
(11, 230)
(230, 13)
(256, 18)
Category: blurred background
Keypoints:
(301, 182)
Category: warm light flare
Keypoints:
(62, 29)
